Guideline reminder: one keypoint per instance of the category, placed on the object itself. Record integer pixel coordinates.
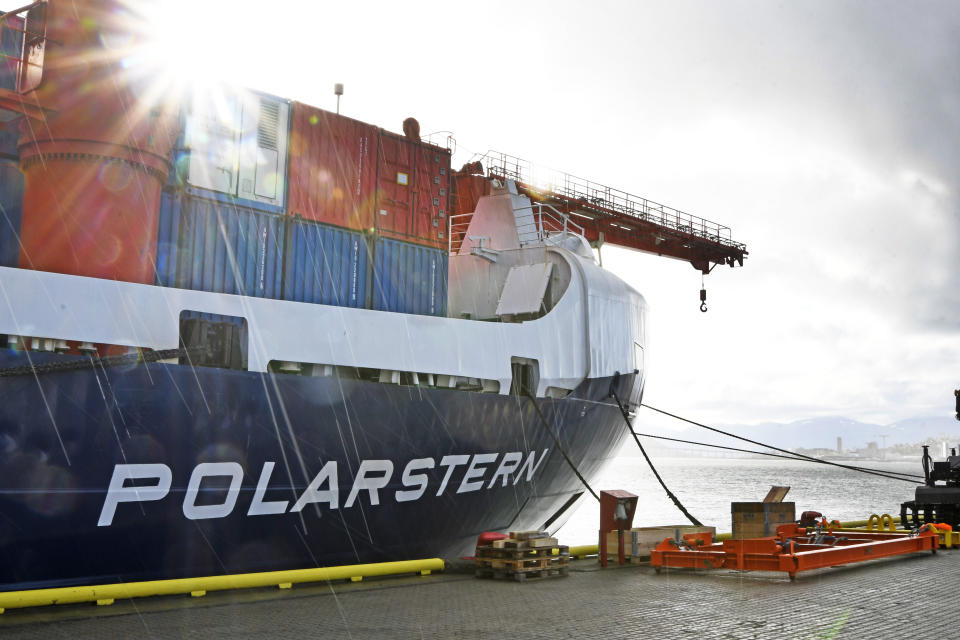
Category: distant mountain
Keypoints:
(822, 433)
(914, 429)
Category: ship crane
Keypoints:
(604, 214)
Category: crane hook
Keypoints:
(703, 300)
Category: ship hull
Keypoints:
(379, 472)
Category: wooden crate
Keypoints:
(639, 541)
(760, 519)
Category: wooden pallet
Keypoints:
(527, 535)
(525, 555)
(518, 553)
(520, 564)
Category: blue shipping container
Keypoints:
(215, 246)
(11, 209)
(409, 278)
(326, 265)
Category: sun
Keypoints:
(178, 48)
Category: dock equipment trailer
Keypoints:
(792, 550)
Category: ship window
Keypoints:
(443, 171)
(436, 179)
(436, 202)
(213, 340)
(371, 375)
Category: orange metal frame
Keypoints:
(792, 550)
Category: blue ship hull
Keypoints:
(63, 435)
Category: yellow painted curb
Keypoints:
(197, 587)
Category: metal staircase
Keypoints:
(536, 222)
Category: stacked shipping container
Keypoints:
(209, 245)
(354, 175)
(275, 199)
(333, 175)
(353, 192)
(412, 181)
(326, 265)
(408, 278)
(233, 147)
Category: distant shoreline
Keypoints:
(674, 454)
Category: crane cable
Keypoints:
(556, 441)
(800, 456)
(636, 438)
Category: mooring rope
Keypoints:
(560, 447)
(759, 453)
(675, 499)
(800, 456)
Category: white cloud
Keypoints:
(824, 133)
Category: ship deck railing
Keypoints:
(547, 221)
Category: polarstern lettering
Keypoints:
(370, 485)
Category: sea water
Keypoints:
(707, 486)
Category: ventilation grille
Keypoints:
(268, 125)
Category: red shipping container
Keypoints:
(431, 201)
(395, 185)
(332, 173)
(413, 188)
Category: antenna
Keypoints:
(338, 91)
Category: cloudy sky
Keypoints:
(825, 134)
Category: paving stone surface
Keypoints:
(882, 599)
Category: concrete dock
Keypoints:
(879, 599)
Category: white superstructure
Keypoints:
(559, 313)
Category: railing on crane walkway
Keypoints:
(597, 200)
